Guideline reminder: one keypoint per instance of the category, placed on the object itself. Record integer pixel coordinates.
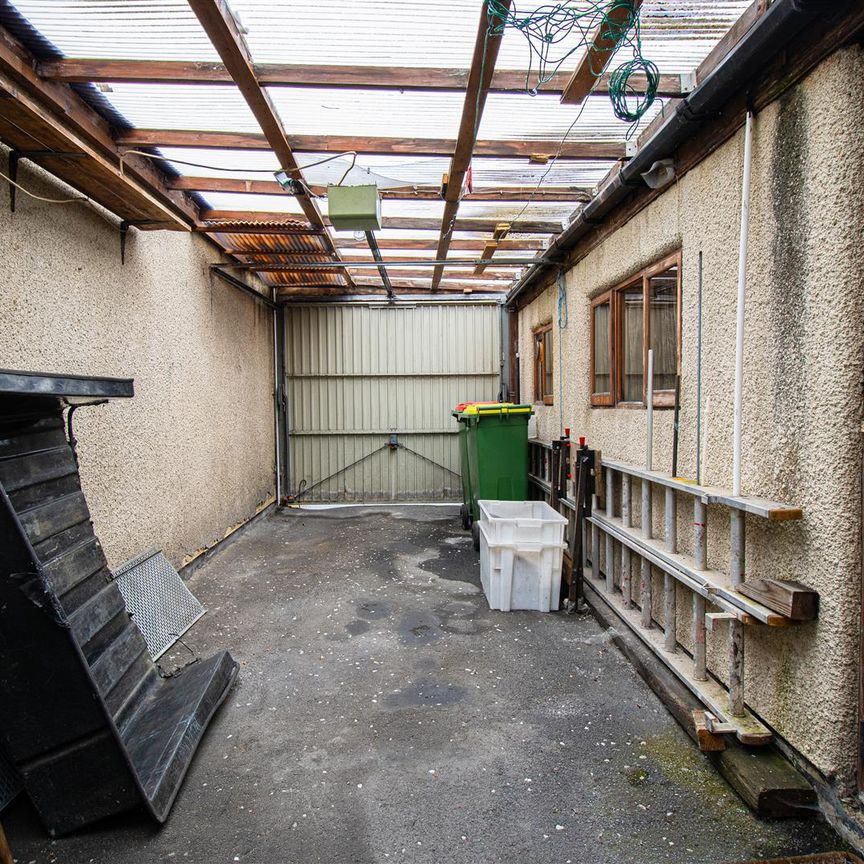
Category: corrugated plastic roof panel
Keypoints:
(121, 29)
(676, 35)
(442, 32)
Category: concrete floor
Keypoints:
(385, 714)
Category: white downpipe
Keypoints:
(742, 290)
(649, 442)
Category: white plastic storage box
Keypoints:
(521, 522)
(521, 553)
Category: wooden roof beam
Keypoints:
(506, 148)
(483, 61)
(598, 54)
(504, 194)
(408, 78)
(219, 25)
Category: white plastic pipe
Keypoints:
(742, 290)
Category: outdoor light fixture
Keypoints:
(660, 173)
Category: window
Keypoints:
(643, 312)
(543, 364)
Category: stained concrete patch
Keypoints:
(529, 738)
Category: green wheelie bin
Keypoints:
(493, 453)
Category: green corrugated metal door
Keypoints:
(358, 375)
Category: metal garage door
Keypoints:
(370, 390)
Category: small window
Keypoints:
(641, 313)
(543, 365)
(601, 350)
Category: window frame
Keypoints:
(540, 397)
(662, 398)
(606, 399)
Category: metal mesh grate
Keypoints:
(158, 600)
(10, 782)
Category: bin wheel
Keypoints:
(465, 514)
(475, 535)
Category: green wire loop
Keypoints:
(553, 23)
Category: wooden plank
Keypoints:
(506, 148)
(792, 599)
(710, 693)
(218, 22)
(59, 108)
(381, 77)
(767, 783)
(763, 507)
(707, 741)
(415, 223)
(599, 52)
(486, 46)
(783, 793)
(5, 852)
(504, 194)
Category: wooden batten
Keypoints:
(367, 144)
(408, 78)
(792, 599)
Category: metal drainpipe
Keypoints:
(276, 406)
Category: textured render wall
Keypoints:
(802, 384)
(192, 454)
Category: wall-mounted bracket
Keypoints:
(16, 155)
(125, 225)
(688, 82)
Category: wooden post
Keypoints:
(610, 543)
(736, 628)
(700, 555)
(645, 575)
(669, 592)
(5, 851)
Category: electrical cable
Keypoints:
(160, 158)
(552, 25)
(79, 199)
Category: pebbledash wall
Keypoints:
(192, 454)
(802, 440)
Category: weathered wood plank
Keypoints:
(792, 599)
(761, 777)
(367, 144)
(405, 78)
